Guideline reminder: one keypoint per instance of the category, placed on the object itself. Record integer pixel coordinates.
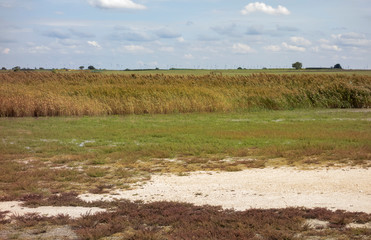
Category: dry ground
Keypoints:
(345, 189)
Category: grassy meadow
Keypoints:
(225, 72)
(66, 133)
(119, 150)
(97, 129)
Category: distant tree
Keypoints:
(297, 65)
(3, 68)
(81, 67)
(91, 67)
(338, 66)
(239, 68)
(41, 68)
(16, 69)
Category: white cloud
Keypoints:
(352, 39)
(188, 56)
(242, 48)
(315, 49)
(94, 44)
(273, 48)
(136, 49)
(293, 47)
(112, 4)
(6, 51)
(262, 7)
(39, 49)
(330, 47)
(180, 39)
(300, 41)
(167, 49)
(322, 40)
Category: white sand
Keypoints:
(14, 208)
(346, 189)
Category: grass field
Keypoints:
(105, 150)
(226, 72)
(47, 161)
(234, 72)
(62, 134)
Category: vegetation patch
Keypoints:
(115, 130)
(90, 153)
(165, 220)
(79, 94)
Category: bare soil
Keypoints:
(345, 189)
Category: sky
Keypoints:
(139, 34)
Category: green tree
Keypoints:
(81, 67)
(297, 65)
(16, 69)
(338, 66)
(3, 68)
(91, 67)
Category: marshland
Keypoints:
(67, 134)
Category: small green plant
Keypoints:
(95, 172)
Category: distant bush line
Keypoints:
(25, 94)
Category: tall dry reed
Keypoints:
(76, 94)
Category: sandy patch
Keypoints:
(15, 207)
(346, 189)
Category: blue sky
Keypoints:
(120, 34)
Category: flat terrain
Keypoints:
(345, 189)
(45, 155)
(334, 188)
(92, 144)
(231, 72)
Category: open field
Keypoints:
(57, 161)
(42, 155)
(200, 72)
(94, 147)
(50, 161)
(234, 72)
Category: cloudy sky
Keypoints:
(120, 34)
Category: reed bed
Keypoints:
(24, 94)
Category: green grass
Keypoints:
(174, 135)
(80, 153)
(233, 72)
(184, 134)
(43, 159)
